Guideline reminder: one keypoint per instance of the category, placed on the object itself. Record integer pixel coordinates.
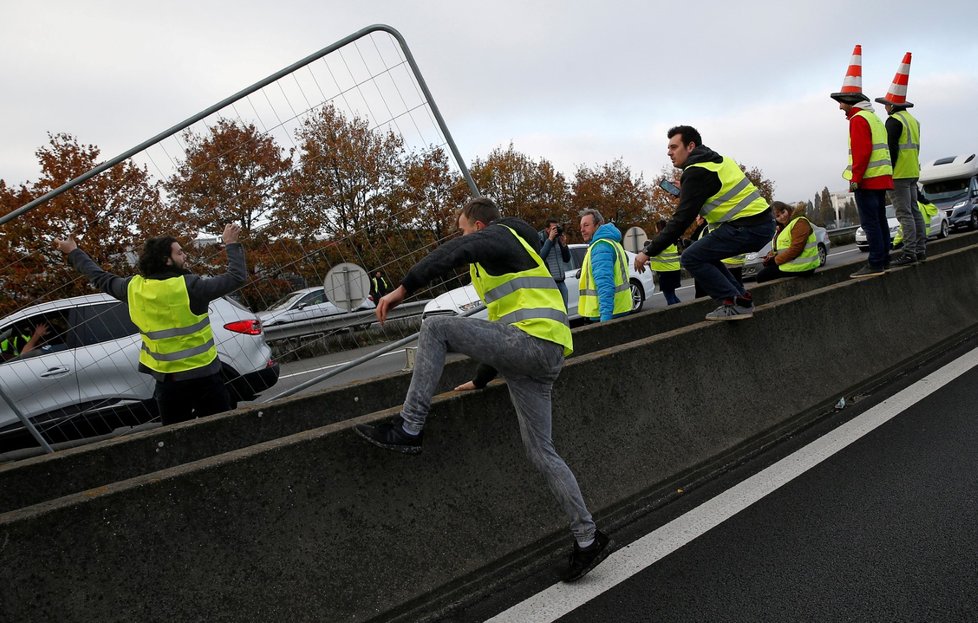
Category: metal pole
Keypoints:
(358, 361)
(26, 422)
(246, 92)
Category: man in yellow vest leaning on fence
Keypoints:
(168, 304)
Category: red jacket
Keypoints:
(861, 145)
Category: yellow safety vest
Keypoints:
(528, 300)
(907, 165)
(879, 158)
(808, 259)
(927, 211)
(734, 261)
(737, 197)
(588, 304)
(14, 344)
(174, 338)
(666, 261)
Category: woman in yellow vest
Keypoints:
(794, 252)
(525, 340)
(666, 266)
(168, 304)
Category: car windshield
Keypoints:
(946, 190)
(286, 301)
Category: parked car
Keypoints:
(755, 261)
(939, 228)
(306, 304)
(463, 299)
(83, 380)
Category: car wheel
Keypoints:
(638, 296)
(944, 230)
(973, 222)
(823, 255)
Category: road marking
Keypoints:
(335, 365)
(560, 599)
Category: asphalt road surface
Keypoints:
(872, 515)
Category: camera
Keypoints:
(560, 230)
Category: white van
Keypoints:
(952, 185)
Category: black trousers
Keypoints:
(773, 271)
(191, 398)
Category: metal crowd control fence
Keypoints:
(341, 157)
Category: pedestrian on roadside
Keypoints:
(556, 254)
(794, 251)
(716, 188)
(869, 172)
(168, 304)
(525, 339)
(605, 291)
(378, 286)
(666, 266)
(903, 139)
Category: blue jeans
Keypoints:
(670, 296)
(703, 258)
(563, 291)
(872, 217)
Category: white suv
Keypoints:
(84, 380)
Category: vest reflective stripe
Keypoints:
(737, 197)
(529, 300)
(907, 165)
(176, 356)
(808, 259)
(879, 158)
(588, 303)
(174, 338)
(520, 282)
(666, 261)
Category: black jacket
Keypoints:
(697, 186)
(494, 248)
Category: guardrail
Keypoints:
(338, 322)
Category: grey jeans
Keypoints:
(905, 203)
(530, 367)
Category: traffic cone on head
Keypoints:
(852, 85)
(897, 95)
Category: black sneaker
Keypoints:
(921, 257)
(390, 435)
(907, 259)
(582, 560)
(867, 271)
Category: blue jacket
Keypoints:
(603, 260)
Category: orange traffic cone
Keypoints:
(852, 85)
(897, 95)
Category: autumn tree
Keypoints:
(826, 207)
(345, 178)
(615, 192)
(232, 173)
(521, 187)
(109, 215)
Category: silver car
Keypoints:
(302, 305)
(755, 261)
(83, 379)
(463, 299)
(939, 227)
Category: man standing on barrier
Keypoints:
(525, 340)
(168, 305)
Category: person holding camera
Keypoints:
(555, 254)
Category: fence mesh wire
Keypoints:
(340, 161)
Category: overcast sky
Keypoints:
(572, 81)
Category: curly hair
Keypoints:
(156, 251)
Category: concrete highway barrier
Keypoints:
(313, 524)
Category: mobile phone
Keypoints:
(669, 187)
